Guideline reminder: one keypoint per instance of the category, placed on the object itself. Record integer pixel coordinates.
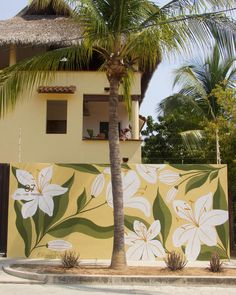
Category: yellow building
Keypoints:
(67, 119)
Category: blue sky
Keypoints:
(160, 86)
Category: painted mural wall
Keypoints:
(55, 207)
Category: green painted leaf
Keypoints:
(60, 205)
(162, 212)
(86, 168)
(81, 225)
(24, 228)
(220, 202)
(39, 219)
(125, 166)
(196, 182)
(207, 251)
(129, 222)
(213, 175)
(81, 201)
(189, 167)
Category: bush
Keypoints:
(175, 261)
(215, 263)
(70, 259)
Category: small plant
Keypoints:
(215, 263)
(70, 259)
(175, 261)
(90, 132)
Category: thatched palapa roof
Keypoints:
(37, 25)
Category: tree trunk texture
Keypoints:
(118, 260)
(218, 155)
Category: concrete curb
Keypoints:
(31, 277)
(118, 279)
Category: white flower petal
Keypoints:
(25, 178)
(131, 238)
(59, 245)
(139, 203)
(52, 190)
(107, 170)
(109, 196)
(182, 234)
(135, 252)
(140, 229)
(97, 185)
(21, 195)
(208, 235)
(45, 176)
(154, 230)
(131, 184)
(169, 177)
(29, 208)
(214, 217)
(46, 205)
(203, 205)
(156, 248)
(193, 246)
(148, 255)
(148, 172)
(171, 194)
(183, 210)
(157, 166)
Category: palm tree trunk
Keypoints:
(118, 260)
(218, 156)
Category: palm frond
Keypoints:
(30, 73)
(192, 139)
(126, 91)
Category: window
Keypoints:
(56, 116)
(104, 128)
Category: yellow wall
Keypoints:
(167, 207)
(29, 119)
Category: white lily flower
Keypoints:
(37, 192)
(169, 177)
(143, 243)
(97, 185)
(200, 228)
(131, 184)
(149, 171)
(59, 245)
(171, 194)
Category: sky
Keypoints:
(160, 85)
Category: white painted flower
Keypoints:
(37, 192)
(107, 170)
(143, 245)
(200, 228)
(169, 177)
(59, 245)
(171, 194)
(131, 184)
(149, 171)
(97, 185)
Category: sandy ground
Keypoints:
(129, 271)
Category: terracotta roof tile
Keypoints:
(57, 89)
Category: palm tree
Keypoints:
(125, 34)
(199, 80)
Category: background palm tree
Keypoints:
(199, 80)
(125, 34)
